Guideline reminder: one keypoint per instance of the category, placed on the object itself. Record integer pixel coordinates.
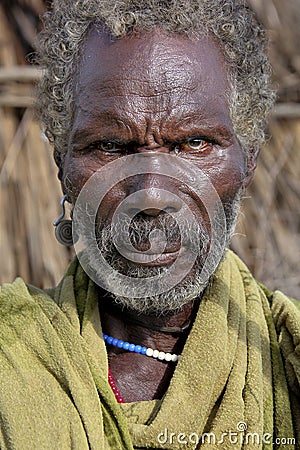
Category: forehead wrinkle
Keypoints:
(167, 65)
(144, 86)
(149, 81)
(159, 109)
(164, 88)
(162, 73)
(148, 101)
(93, 126)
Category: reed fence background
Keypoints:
(268, 234)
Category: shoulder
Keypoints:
(284, 310)
(276, 299)
(286, 314)
(21, 305)
(282, 306)
(18, 293)
(286, 318)
(15, 298)
(282, 315)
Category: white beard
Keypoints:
(191, 287)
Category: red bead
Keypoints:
(114, 388)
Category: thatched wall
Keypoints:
(268, 236)
(30, 192)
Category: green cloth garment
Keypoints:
(237, 385)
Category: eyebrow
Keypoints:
(105, 128)
(82, 138)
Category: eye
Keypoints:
(194, 146)
(110, 147)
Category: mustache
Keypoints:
(140, 229)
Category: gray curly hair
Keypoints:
(240, 37)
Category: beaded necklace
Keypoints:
(147, 351)
(114, 388)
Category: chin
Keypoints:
(168, 302)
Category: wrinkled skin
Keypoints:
(152, 93)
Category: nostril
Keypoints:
(133, 212)
(153, 211)
(152, 202)
(157, 211)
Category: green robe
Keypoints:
(236, 385)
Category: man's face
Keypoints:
(154, 94)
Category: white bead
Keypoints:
(168, 357)
(155, 353)
(161, 356)
(149, 352)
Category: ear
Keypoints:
(59, 158)
(59, 163)
(251, 166)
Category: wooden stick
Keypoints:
(287, 110)
(15, 101)
(20, 73)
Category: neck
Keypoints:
(125, 324)
(137, 376)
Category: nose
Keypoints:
(152, 200)
(152, 191)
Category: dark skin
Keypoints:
(153, 93)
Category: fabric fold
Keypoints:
(236, 385)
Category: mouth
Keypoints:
(151, 259)
(150, 245)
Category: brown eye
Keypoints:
(194, 145)
(110, 147)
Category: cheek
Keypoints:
(110, 202)
(227, 174)
(76, 172)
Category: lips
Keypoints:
(151, 241)
(151, 260)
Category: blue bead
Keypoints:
(143, 351)
(109, 340)
(138, 349)
(126, 345)
(120, 343)
(115, 342)
(131, 347)
(105, 336)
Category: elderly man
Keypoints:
(157, 336)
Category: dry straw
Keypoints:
(29, 190)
